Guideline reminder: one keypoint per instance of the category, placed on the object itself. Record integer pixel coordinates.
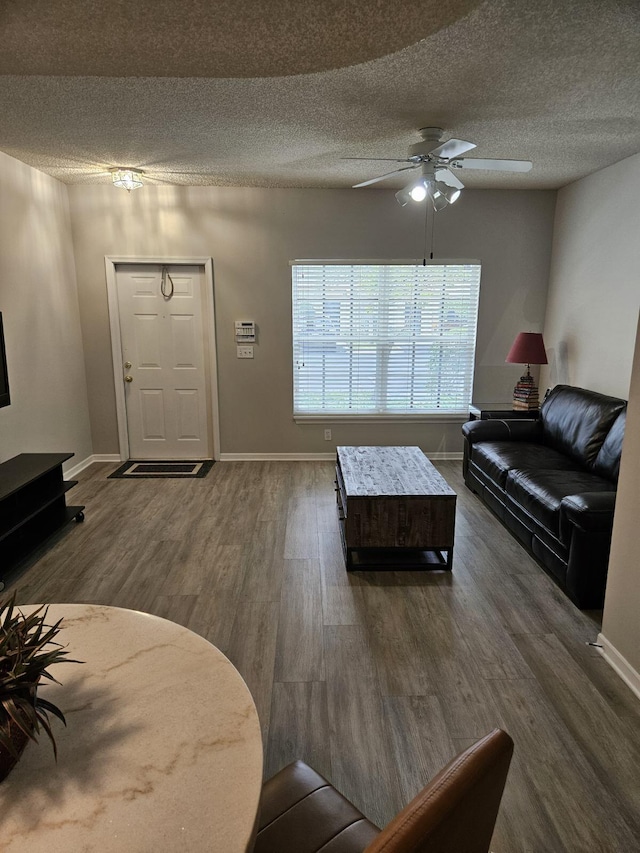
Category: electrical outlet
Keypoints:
(327, 435)
(244, 352)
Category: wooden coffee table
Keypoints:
(393, 507)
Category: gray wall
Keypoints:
(590, 332)
(252, 234)
(621, 620)
(39, 303)
(594, 285)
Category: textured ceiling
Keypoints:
(259, 93)
(211, 38)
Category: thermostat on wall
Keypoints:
(245, 331)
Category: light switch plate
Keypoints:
(244, 352)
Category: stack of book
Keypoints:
(525, 394)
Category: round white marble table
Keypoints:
(162, 749)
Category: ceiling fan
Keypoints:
(436, 160)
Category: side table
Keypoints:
(501, 412)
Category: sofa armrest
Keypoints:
(494, 430)
(590, 511)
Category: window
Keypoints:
(383, 339)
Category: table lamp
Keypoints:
(528, 348)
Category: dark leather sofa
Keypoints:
(553, 483)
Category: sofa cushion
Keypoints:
(576, 421)
(607, 463)
(497, 458)
(540, 493)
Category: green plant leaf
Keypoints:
(20, 716)
(44, 722)
(50, 708)
(28, 647)
(7, 743)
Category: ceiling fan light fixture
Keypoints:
(127, 179)
(426, 186)
(403, 196)
(452, 194)
(438, 200)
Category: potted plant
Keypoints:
(27, 649)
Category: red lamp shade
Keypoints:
(528, 348)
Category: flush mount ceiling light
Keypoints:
(128, 179)
(426, 186)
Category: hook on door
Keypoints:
(163, 284)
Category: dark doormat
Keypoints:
(133, 470)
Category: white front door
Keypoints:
(163, 360)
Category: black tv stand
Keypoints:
(32, 503)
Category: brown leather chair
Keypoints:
(456, 813)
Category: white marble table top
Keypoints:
(162, 749)
(390, 471)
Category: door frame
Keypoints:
(209, 318)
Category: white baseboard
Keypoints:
(95, 457)
(308, 457)
(106, 457)
(620, 664)
(277, 457)
(247, 457)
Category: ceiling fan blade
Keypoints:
(383, 177)
(452, 148)
(447, 177)
(496, 165)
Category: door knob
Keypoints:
(127, 365)
(128, 378)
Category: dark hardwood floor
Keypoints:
(376, 679)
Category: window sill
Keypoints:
(444, 417)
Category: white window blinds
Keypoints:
(383, 339)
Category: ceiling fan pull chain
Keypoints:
(426, 232)
(433, 222)
(428, 243)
